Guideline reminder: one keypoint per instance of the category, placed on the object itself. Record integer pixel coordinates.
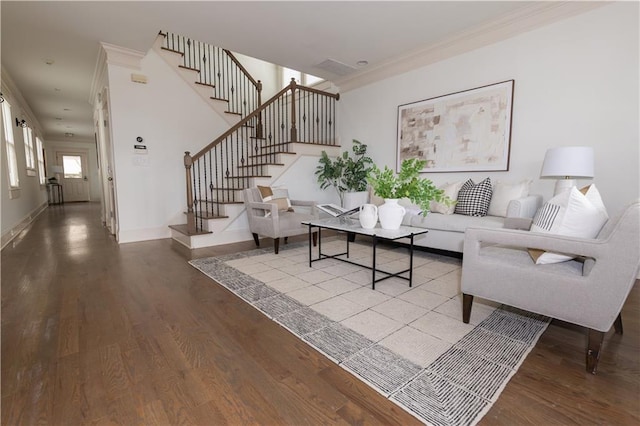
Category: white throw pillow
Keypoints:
(450, 190)
(503, 193)
(574, 213)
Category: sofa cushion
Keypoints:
(474, 199)
(503, 193)
(454, 222)
(450, 190)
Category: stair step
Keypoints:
(184, 67)
(272, 153)
(247, 177)
(183, 230)
(221, 202)
(261, 164)
(218, 99)
(210, 215)
(234, 113)
(171, 50)
(205, 84)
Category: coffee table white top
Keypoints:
(347, 224)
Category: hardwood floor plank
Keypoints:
(94, 332)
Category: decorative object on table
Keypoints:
(463, 131)
(335, 210)
(406, 184)
(567, 163)
(391, 214)
(368, 216)
(346, 174)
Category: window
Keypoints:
(72, 166)
(301, 78)
(12, 162)
(40, 152)
(27, 134)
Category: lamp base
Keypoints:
(563, 185)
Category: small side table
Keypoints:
(55, 194)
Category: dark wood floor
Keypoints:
(96, 332)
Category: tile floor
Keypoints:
(419, 323)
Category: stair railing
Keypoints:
(217, 173)
(219, 69)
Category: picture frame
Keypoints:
(463, 131)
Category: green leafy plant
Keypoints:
(407, 184)
(345, 173)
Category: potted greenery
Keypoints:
(406, 184)
(347, 174)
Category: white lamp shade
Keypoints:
(568, 162)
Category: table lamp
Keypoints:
(567, 163)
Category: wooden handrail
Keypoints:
(239, 124)
(336, 96)
(243, 69)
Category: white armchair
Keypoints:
(277, 224)
(589, 291)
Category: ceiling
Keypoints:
(50, 48)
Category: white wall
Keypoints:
(171, 118)
(18, 206)
(52, 146)
(576, 83)
(266, 72)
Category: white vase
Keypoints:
(391, 214)
(368, 216)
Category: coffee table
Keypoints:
(352, 226)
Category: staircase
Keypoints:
(263, 141)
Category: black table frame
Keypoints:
(375, 238)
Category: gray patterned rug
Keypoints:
(409, 344)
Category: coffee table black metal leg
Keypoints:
(411, 261)
(310, 243)
(373, 267)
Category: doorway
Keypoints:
(73, 178)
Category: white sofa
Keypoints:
(446, 231)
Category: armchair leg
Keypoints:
(593, 350)
(617, 324)
(276, 245)
(256, 239)
(467, 302)
(286, 240)
(314, 237)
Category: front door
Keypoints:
(73, 178)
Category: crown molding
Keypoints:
(509, 25)
(122, 56)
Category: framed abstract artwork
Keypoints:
(459, 132)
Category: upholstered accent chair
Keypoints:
(588, 291)
(268, 219)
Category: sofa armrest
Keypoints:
(525, 206)
(267, 207)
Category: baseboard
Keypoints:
(12, 233)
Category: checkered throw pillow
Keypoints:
(474, 200)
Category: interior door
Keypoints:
(74, 177)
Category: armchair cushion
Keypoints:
(574, 213)
(277, 196)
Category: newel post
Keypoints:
(191, 219)
(259, 123)
(294, 130)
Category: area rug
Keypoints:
(409, 344)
